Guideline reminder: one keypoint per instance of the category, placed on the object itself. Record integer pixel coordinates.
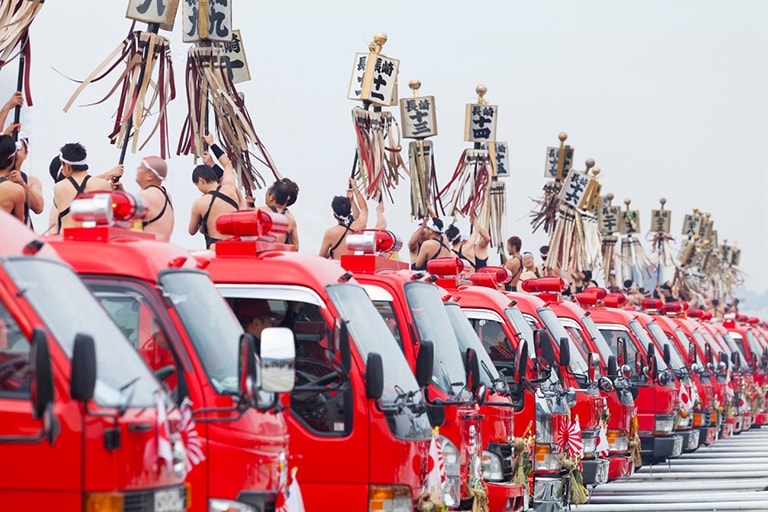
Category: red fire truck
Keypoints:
(657, 399)
(357, 415)
(176, 320)
(83, 417)
(406, 301)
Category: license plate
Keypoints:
(169, 500)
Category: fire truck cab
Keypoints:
(83, 421)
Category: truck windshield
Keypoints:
(431, 320)
(371, 334)
(555, 327)
(523, 328)
(642, 335)
(467, 338)
(213, 329)
(67, 307)
(754, 345)
(597, 338)
(661, 339)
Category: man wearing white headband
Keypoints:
(150, 176)
(33, 188)
(74, 168)
(12, 195)
(434, 246)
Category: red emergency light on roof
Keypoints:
(601, 293)
(445, 267)
(544, 284)
(103, 208)
(483, 279)
(742, 318)
(651, 304)
(706, 315)
(675, 307)
(372, 241)
(753, 320)
(256, 223)
(696, 313)
(501, 275)
(587, 298)
(615, 300)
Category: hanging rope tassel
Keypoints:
(468, 186)
(545, 213)
(15, 20)
(497, 198)
(379, 152)
(609, 258)
(563, 238)
(420, 159)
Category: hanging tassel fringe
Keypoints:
(609, 259)
(209, 82)
(545, 213)
(134, 104)
(468, 186)
(379, 152)
(635, 263)
(424, 188)
(577, 491)
(497, 198)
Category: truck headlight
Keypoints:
(664, 425)
(452, 486)
(492, 471)
(215, 505)
(617, 440)
(545, 459)
(394, 498)
(590, 443)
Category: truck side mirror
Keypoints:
(374, 376)
(652, 368)
(278, 356)
(565, 352)
(424, 363)
(594, 364)
(667, 354)
(83, 379)
(724, 359)
(691, 353)
(346, 354)
(708, 353)
(247, 372)
(472, 367)
(41, 387)
(736, 359)
(613, 367)
(521, 357)
(543, 344)
(651, 350)
(621, 351)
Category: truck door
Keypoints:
(31, 475)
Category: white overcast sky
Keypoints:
(668, 97)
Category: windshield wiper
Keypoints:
(402, 400)
(121, 409)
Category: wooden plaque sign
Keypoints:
(630, 222)
(153, 11)
(574, 189)
(502, 158)
(480, 123)
(380, 80)
(418, 117)
(691, 224)
(550, 165)
(608, 219)
(661, 221)
(735, 256)
(213, 23)
(355, 89)
(235, 52)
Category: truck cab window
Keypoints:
(14, 357)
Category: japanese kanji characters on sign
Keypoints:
(705, 229)
(691, 224)
(380, 81)
(502, 158)
(480, 123)
(418, 117)
(358, 73)
(735, 256)
(661, 221)
(213, 25)
(153, 11)
(235, 52)
(550, 166)
(608, 219)
(575, 188)
(630, 222)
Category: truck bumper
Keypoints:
(594, 471)
(620, 467)
(505, 497)
(545, 494)
(760, 419)
(746, 423)
(707, 435)
(690, 439)
(660, 448)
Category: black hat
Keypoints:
(666, 286)
(628, 284)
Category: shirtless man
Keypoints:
(218, 196)
(12, 195)
(433, 246)
(514, 263)
(76, 181)
(150, 176)
(33, 188)
(278, 198)
(351, 214)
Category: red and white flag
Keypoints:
(568, 437)
(603, 447)
(436, 476)
(743, 407)
(289, 498)
(164, 447)
(686, 403)
(192, 442)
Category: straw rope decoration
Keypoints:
(469, 184)
(379, 152)
(209, 83)
(424, 187)
(158, 85)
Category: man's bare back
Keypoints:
(12, 199)
(64, 192)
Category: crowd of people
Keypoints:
(215, 179)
